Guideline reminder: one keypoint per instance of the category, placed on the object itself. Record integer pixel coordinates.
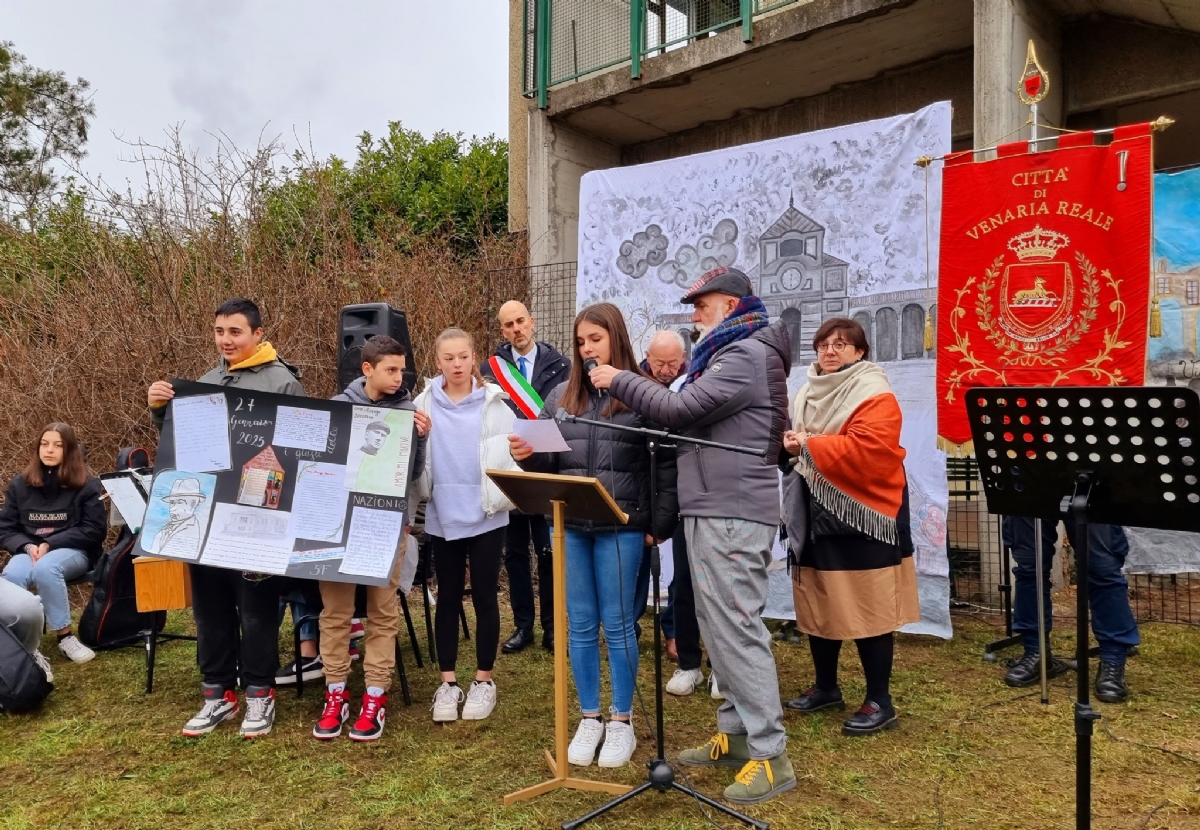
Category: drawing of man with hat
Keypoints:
(181, 535)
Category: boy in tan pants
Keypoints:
(381, 385)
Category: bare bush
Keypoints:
(123, 294)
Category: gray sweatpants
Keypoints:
(729, 559)
(22, 612)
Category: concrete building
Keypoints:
(633, 81)
(707, 78)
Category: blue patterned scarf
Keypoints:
(749, 316)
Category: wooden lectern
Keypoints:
(560, 496)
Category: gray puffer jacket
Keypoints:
(272, 374)
(619, 459)
(740, 399)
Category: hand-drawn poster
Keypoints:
(380, 445)
(177, 514)
(828, 223)
(285, 503)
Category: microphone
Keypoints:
(588, 365)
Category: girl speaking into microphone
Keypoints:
(602, 561)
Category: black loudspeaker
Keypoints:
(356, 324)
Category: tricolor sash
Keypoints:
(513, 382)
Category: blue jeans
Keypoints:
(602, 570)
(309, 630)
(1108, 590)
(49, 577)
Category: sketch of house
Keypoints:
(255, 524)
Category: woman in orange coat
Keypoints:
(856, 579)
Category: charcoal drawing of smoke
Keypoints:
(710, 251)
(647, 249)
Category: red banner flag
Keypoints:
(1045, 271)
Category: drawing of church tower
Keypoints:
(798, 281)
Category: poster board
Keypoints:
(276, 484)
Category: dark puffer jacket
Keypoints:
(619, 459)
(740, 399)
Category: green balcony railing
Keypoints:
(567, 39)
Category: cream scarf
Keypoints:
(821, 407)
(824, 404)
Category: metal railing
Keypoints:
(567, 39)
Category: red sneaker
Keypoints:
(335, 713)
(369, 725)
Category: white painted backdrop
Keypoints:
(648, 231)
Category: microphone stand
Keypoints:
(660, 774)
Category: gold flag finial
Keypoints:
(1161, 123)
(1035, 83)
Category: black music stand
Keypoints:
(1118, 456)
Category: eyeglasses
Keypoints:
(836, 345)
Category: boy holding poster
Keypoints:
(380, 386)
(237, 615)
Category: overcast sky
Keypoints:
(326, 70)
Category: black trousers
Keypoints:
(687, 630)
(524, 529)
(450, 558)
(237, 621)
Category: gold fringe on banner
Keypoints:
(928, 330)
(1155, 319)
(955, 450)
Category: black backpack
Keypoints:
(23, 683)
(111, 617)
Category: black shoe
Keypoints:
(814, 700)
(1110, 683)
(548, 640)
(1028, 670)
(517, 642)
(871, 718)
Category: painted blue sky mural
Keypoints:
(1177, 219)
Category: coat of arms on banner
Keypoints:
(1045, 269)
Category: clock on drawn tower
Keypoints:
(790, 279)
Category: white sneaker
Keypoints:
(41, 660)
(685, 681)
(445, 703)
(712, 687)
(619, 744)
(481, 700)
(74, 650)
(583, 746)
(260, 712)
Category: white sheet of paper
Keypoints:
(305, 429)
(541, 434)
(371, 543)
(249, 539)
(201, 433)
(128, 499)
(319, 501)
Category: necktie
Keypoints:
(523, 365)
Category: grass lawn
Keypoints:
(970, 752)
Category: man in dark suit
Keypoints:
(544, 368)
